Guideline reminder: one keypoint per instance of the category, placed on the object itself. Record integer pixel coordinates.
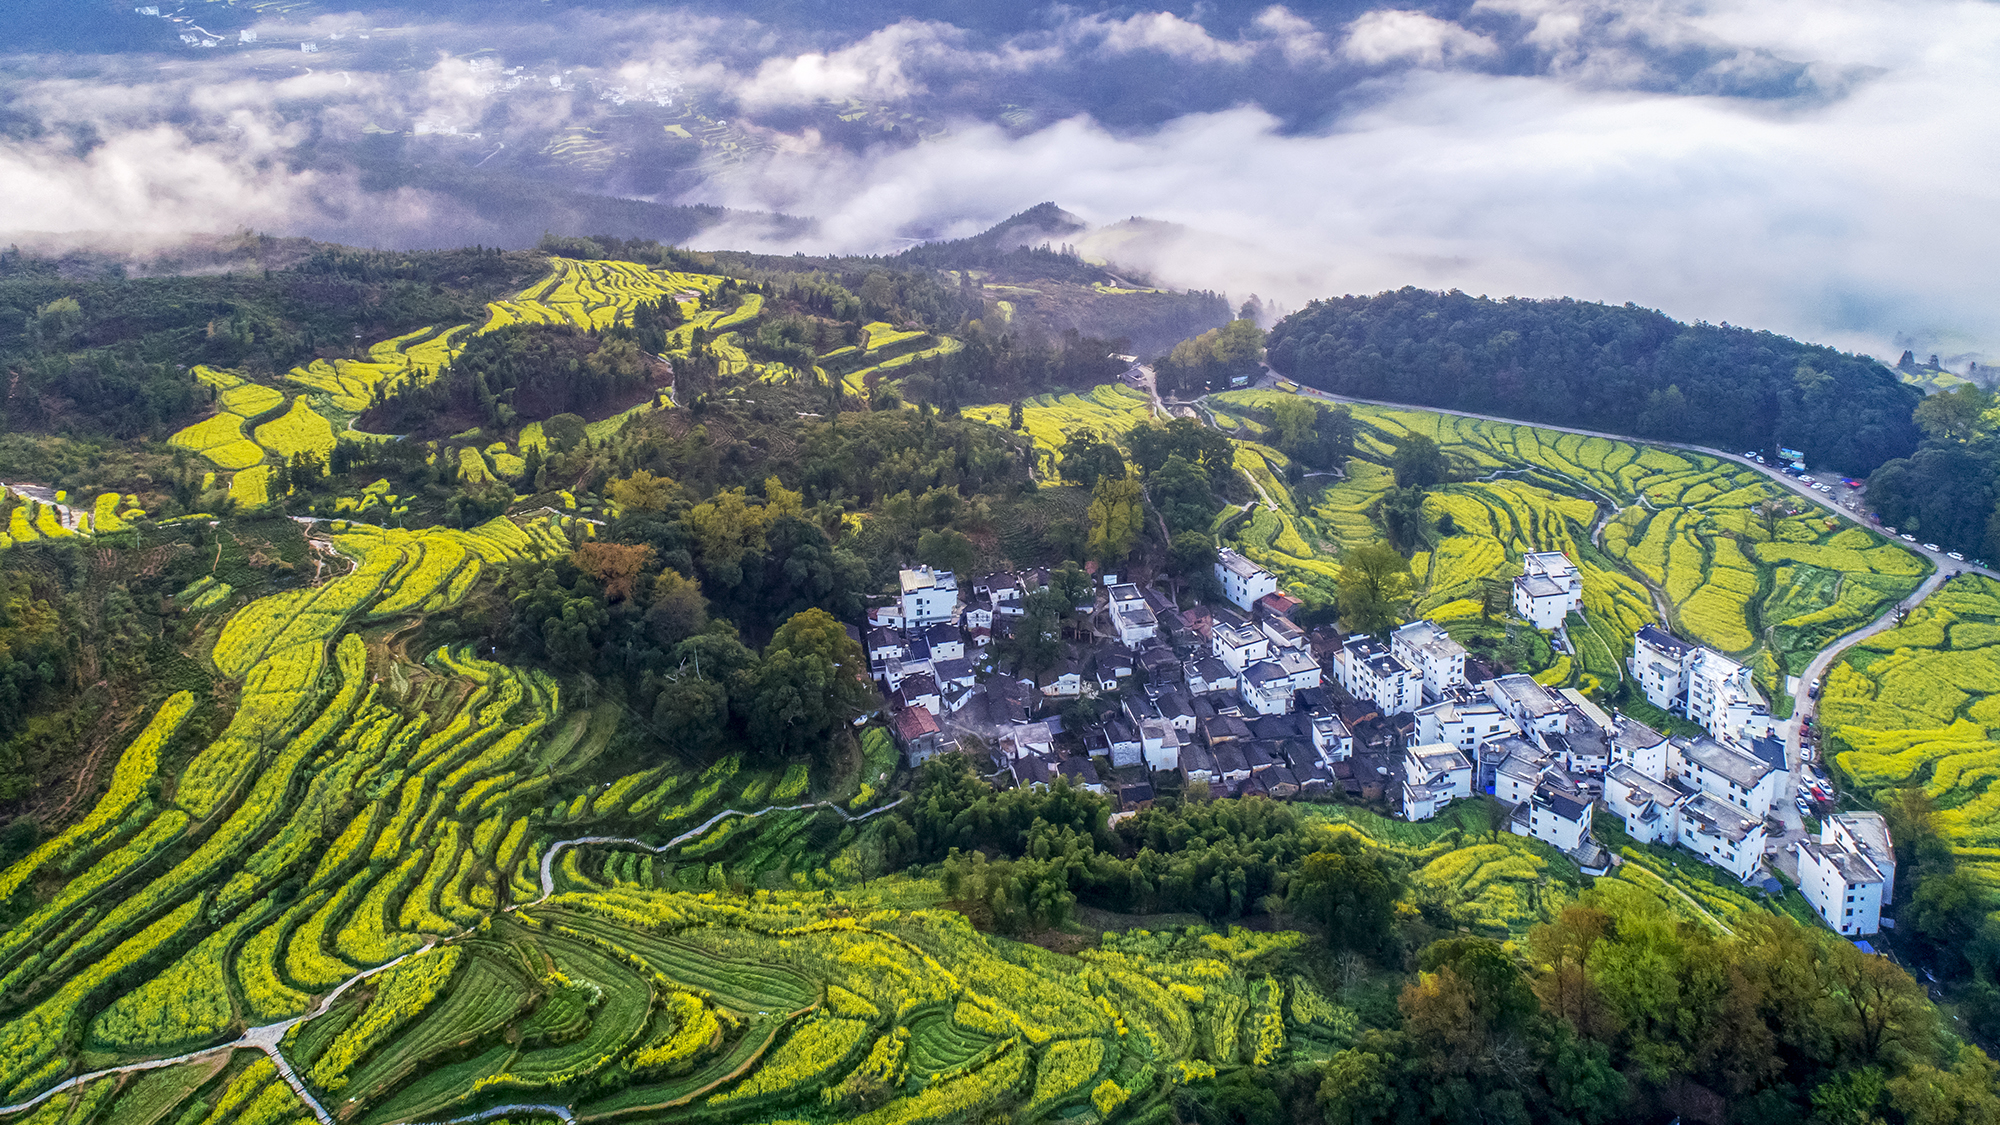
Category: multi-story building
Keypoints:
(1331, 739)
(1722, 834)
(1466, 725)
(1659, 663)
(1528, 703)
(1707, 687)
(1433, 777)
(1238, 646)
(1639, 746)
(1649, 806)
(1423, 646)
(1131, 618)
(929, 596)
(1849, 873)
(1725, 772)
(1366, 670)
(1548, 590)
(1243, 581)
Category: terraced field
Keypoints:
(358, 812)
(1110, 409)
(1734, 562)
(1918, 706)
(313, 406)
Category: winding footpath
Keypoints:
(269, 1037)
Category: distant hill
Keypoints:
(1618, 368)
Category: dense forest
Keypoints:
(1622, 369)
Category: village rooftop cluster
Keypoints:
(1239, 700)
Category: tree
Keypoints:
(1295, 419)
(1419, 463)
(946, 549)
(678, 610)
(726, 529)
(1117, 517)
(1015, 415)
(644, 492)
(614, 567)
(1088, 458)
(1375, 585)
(1191, 558)
(1401, 513)
(809, 684)
(1955, 415)
(1349, 889)
(1182, 493)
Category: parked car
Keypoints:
(1932, 547)
(1907, 537)
(1805, 752)
(1954, 556)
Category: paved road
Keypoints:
(1804, 707)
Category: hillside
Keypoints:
(1624, 369)
(434, 689)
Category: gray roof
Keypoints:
(1536, 586)
(1727, 762)
(1727, 821)
(1524, 694)
(1661, 639)
(1869, 830)
(1658, 792)
(1853, 868)
(1631, 734)
(1563, 804)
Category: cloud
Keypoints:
(1165, 33)
(875, 69)
(1845, 221)
(1826, 168)
(1404, 36)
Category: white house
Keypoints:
(1731, 775)
(1707, 687)
(1659, 663)
(1554, 817)
(1365, 669)
(1243, 581)
(1528, 703)
(1722, 834)
(929, 596)
(1208, 674)
(1131, 618)
(1160, 744)
(1638, 746)
(1464, 725)
(1548, 590)
(1522, 768)
(1266, 688)
(1433, 777)
(1238, 646)
(1331, 739)
(1715, 683)
(1649, 806)
(1427, 649)
(1849, 873)
(1867, 834)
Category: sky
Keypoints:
(1828, 170)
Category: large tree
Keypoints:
(1375, 586)
(810, 684)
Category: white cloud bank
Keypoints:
(1852, 220)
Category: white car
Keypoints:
(1932, 547)
(1907, 537)
(1954, 556)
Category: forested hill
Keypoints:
(1618, 368)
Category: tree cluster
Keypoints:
(1624, 369)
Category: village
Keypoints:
(1235, 699)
